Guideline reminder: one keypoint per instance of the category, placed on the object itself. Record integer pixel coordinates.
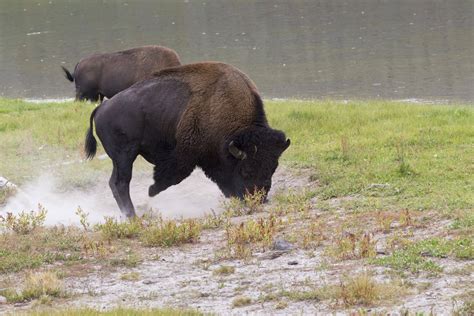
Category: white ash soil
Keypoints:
(183, 276)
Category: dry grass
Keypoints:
(24, 222)
(241, 301)
(37, 285)
(243, 238)
(224, 270)
(131, 276)
(170, 233)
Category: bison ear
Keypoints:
(237, 153)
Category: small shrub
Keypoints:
(224, 270)
(170, 233)
(24, 222)
(254, 202)
(353, 246)
(241, 301)
(83, 218)
(132, 276)
(40, 285)
(259, 231)
(113, 229)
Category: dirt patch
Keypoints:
(271, 281)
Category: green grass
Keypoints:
(416, 256)
(421, 153)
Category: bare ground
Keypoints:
(184, 276)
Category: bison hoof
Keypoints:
(153, 190)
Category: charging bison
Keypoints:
(207, 114)
(102, 75)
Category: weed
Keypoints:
(281, 305)
(83, 219)
(24, 222)
(130, 260)
(241, 301)
(170, 233)
(240, 238)
(254, 202)
(353, 246)
(113, 229)
(37, 285)
(131, 276)
(224, 270)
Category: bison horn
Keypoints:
(237, 153)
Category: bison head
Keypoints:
(253, 156)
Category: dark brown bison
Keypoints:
(107, 74)
(208, 115)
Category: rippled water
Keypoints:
(345, 49)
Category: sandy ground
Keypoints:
(183, 276)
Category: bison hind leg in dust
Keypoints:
(120, 182)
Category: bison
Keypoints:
(104, 75)
(208, 115)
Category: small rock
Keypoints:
(3, 300)
(270, 255)
(5, 183)
(147, 282)
(282, 245)
(292, 263)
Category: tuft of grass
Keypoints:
(413, 256)
(224, 270)
(360, 289)
(114, 229)
(255, 233)
(170, 233)
(24, 222)
(37, 285)
(131, 276)
(352, 246)
(114, 312)
(241, 301)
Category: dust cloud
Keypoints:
(193, 197)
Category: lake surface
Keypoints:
(306, 49)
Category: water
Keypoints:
(396, 49)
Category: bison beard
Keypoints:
(207, 115)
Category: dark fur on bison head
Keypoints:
(253, 158)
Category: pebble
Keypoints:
(3, 300)
(282, 245)
(292, 263)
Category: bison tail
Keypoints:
(69, 76)
(90, 146)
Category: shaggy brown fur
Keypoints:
(107, 74)
(208, 115)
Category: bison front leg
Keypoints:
(167, 174)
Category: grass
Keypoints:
(224, 270)
(245, 237)
(39, 285)
(241, 301)
(359, 290)
(416, 256)
(423, 153)
(113, 312)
